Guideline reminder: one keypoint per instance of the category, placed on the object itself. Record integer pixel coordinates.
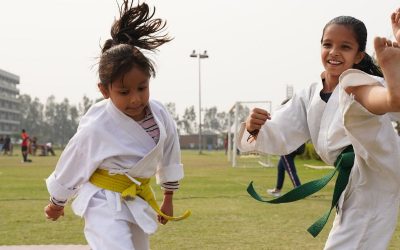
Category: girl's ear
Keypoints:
(104, 91)
(360, 55)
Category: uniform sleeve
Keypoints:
(354, 77)
(77, 163)
(375, 142)
(284, 133)
(170, 169)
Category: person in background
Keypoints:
(49, 149)
(24, 146)
(7, 146)
(1, 143)
(33, 146)
(286, 163)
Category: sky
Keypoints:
(256, 47)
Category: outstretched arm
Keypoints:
(375, 98)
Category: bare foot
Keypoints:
(388, 55)
(395, 17)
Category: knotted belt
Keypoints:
(343, 164)
(129, 189)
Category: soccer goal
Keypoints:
(236, 115)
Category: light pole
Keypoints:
(199, 56)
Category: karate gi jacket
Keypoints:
(108, 139)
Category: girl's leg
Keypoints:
(140, 238)
(280, 175)
(103, 232)
(24, 151)
(288, 162)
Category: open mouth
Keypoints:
(334, 62)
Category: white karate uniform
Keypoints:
(108, 139)
(368, 206)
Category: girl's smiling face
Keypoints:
(130, 93)
(339, 49)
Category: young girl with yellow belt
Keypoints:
(121, 142)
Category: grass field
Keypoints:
(223, 216)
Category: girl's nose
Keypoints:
(134, 98)
(334, 52)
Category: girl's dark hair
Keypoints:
(367, 64)
(134, 30)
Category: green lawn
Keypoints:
(223, 216)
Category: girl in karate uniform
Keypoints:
(120, 143)
(329, 114)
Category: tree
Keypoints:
(31, 115)
(222, 118)
(172, 111)
(210, 119)
(243, 112)
(189, 120)
(85, 105)
(61, 121)
(50, 119)
(53, 122)
(65, 122)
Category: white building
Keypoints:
(9, 104)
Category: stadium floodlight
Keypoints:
(200, 56)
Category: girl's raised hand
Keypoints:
(256, 119)
(396, 24)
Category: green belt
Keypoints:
(343, 165)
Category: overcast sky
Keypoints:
(256, 47)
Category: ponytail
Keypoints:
(368, 65)
(134, 31)
(137, 28)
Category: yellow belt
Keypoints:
(128, 189)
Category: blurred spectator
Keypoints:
(49, 148)
(24, 146)
(33, 146)
(7, 146)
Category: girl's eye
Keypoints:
(346, 47)
(326, 45)
(123, 92)
(142, 88)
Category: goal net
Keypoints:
(236, 115)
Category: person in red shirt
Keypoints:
(24, 146)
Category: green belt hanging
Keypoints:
(343, 165)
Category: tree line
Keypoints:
(57, 122)
(54, 122)
(212, 119)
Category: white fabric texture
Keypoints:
(108, 139)
(368, 207)
(104, 232)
